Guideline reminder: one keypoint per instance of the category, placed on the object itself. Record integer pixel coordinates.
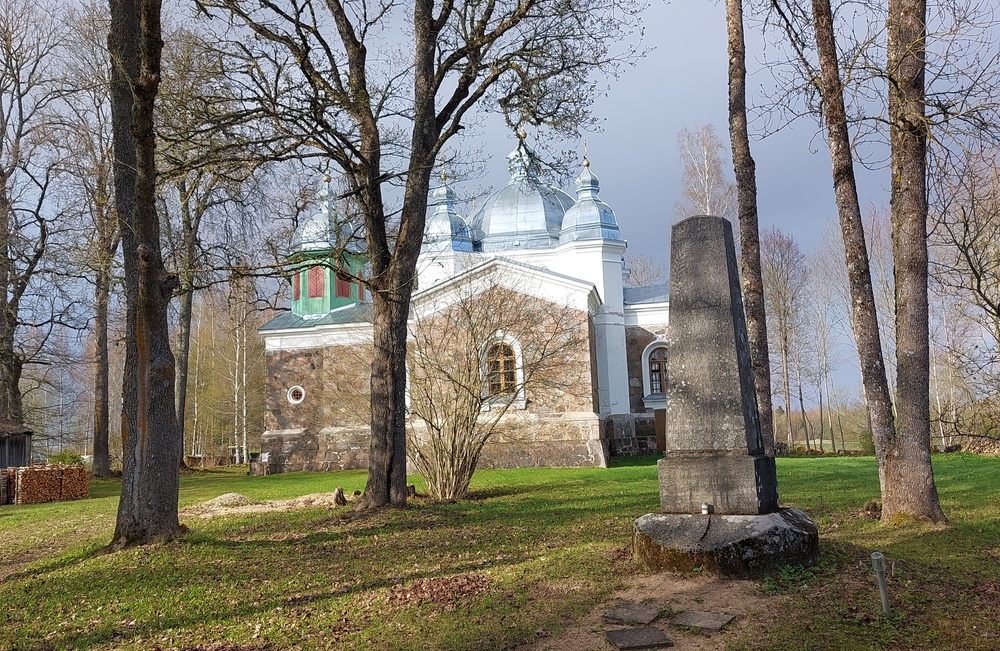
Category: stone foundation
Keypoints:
(630, 435)
(565, 441)
(744, 546)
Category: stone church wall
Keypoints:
(556, 426)
(640, 438)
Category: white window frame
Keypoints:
(519, 401)
(659, 342)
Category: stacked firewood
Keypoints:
(37, 484)
(3, 487)
(74, 483)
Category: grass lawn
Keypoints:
(531, 551)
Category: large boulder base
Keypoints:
(744, 546)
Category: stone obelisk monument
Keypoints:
(718, 488)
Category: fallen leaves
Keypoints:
(448, 590)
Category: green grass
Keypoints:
(547, 544)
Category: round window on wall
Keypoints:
(296, 395)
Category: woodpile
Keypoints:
(37, 484)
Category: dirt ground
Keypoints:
(672, 594)
(236, 504)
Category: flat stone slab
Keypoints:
(701, 619)
(746, 546)
(634, 639)
(627, 612)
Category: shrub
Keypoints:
(67, 457)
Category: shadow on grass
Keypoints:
(629, 462)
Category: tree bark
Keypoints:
(393, 273)
(101, 466)
(864, 320)
(147, 511)
(744, 168)
(905, 460)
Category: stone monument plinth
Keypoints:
(718, 487)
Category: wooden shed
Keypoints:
(15, 444)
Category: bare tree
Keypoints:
(903, 453)
(644, 271)
(85, 138)
(707, 191)
(383, 121)
(745, 170)
(908, 487)
(151, 446)
(966, 268)
(784, 271)
(471, 362)
(28, 92)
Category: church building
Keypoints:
(528, 237)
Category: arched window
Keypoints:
(658, 370)
(501, 370)
(315, 282)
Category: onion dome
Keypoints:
(525, 213)
(589, 218)
(327, 230)
(445, 227)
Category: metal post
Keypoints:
(878, 562)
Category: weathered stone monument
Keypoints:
(718, 488)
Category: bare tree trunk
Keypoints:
(822, 424)
(905, 460)
(746, 189)
(802, 405)
(147, 511)
(10, 362)
(829, 411)
(786, 385)
(864, 320)
(101, 466)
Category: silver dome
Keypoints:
(525, 213)
(444, 225)
(589, 218)
(326, 230)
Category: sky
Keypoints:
(682, 83)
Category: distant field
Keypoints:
(530, 552)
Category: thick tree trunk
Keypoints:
(746, 189)
(147, 511)
(864, 320)
(387, 463)
(101, 466)
(393, 273)
(905, 461)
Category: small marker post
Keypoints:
(878, 563)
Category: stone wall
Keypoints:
(637, 435)
(636, 340)
(335, 380)
(555, 426)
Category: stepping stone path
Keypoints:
(627, 612)
(703, 620)
(634, 639)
